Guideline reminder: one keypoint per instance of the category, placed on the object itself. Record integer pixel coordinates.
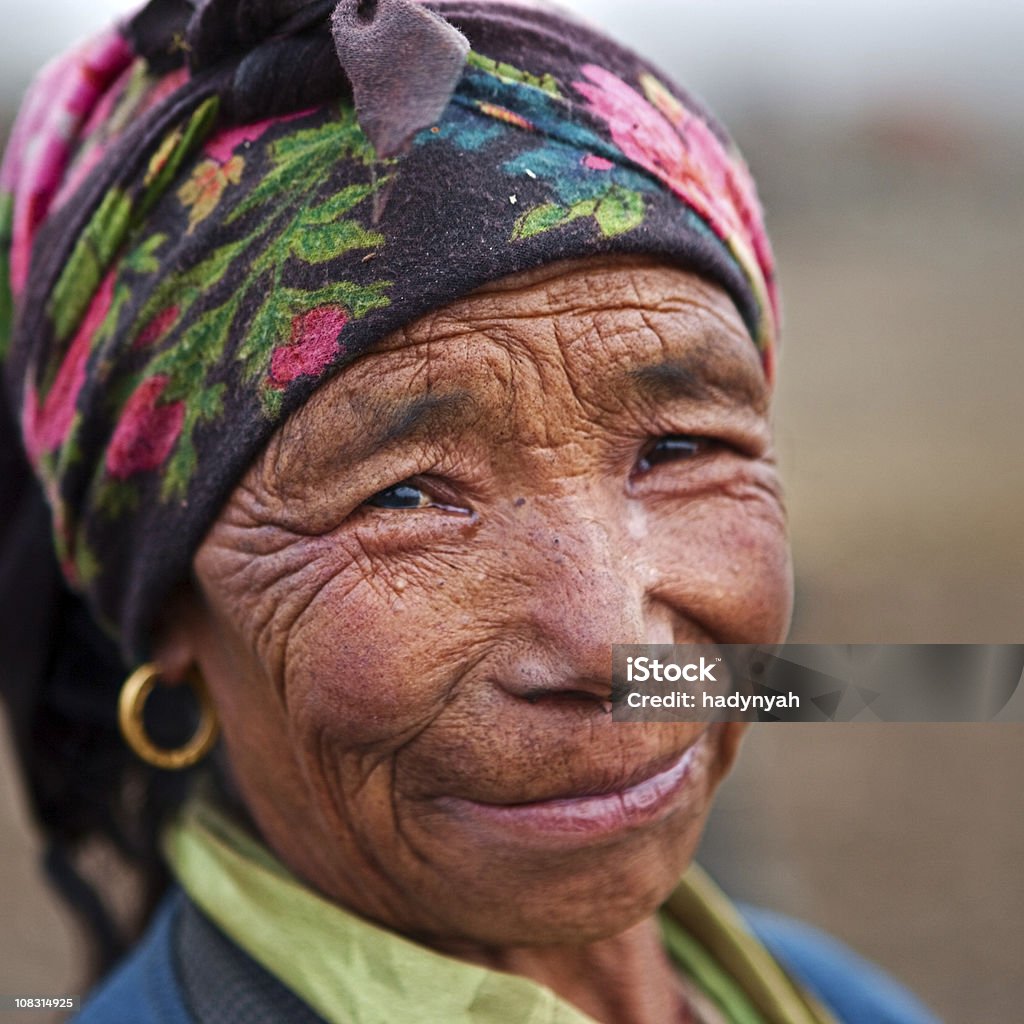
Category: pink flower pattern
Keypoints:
(221, 147)
(678, 148)
(146, 432)
(594, 162)
(46, 426)
(312, 347)
(156, 328)
(42, 142)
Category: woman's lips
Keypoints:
(588, 816)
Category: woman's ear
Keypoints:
(175, 642)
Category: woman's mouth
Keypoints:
(587, 816)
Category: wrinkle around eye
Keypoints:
(720, 470)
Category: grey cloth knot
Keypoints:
(399, 60)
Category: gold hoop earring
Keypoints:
(131, 704)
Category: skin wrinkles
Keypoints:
(375, 666)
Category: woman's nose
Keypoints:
(589, 591)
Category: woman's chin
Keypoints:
(583, 899)
(549, 887)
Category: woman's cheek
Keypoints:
(725, 563)
(372, 662)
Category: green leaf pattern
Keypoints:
(315, 231)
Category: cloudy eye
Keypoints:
(673, 448)
(400, 496)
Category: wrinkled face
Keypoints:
(405, 612)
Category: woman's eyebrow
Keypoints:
(697, 378)
(390, 423)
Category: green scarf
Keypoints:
(347, 969)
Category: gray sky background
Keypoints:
(801, 57)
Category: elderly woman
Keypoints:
(381, 365)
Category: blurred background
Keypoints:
(887, 137)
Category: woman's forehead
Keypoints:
(596, 327)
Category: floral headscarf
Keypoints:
(208, 211)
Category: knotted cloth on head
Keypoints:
(209, 210)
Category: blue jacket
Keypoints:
(146, 988)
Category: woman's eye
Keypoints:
(401, 496)
(673, 448)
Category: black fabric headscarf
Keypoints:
(211, 209)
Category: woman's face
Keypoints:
(405, 612)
